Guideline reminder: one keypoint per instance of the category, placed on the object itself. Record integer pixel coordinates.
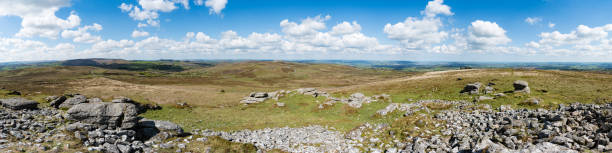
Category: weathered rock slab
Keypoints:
(18, 103)
(123, 115)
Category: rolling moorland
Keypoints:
(200, 95)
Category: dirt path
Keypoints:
(425, 75)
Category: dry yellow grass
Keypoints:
(200, 95)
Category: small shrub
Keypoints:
(348, 110)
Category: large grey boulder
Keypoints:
(472, 88)
(77, 99)
(521, 86)
(56, 101)
(157, 130)
(120, 115)
(18, 103)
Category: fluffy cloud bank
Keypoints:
(82, 34)
(429, 33)
(584, 40)
(305, 37)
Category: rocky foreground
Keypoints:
(76, 121)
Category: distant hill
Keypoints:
(411, 66)
(125, 64)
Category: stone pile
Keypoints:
(258, 97)
(574, 128)
(579, 127)
(355, 100)
(36, 126)
(305, 139)
(410, 108)
(112, 127)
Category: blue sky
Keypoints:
(436, 30)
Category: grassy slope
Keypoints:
(202, 87)
(561, 86)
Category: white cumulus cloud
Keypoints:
(346, 28)
(436, 7)
(533, 20)
(483, 34)
(157, 5)
(419, 34)
(38, 16)
(82, 34)
(216, 6)
(147, 11)
(137, 33)
(308, 26)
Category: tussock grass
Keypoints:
(437, 106)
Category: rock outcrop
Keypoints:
(18, 103)
(472, 88)
(55, 101)
(122, 115)
(76, 99)
(521, 86)
(304, 139)
(156, 130)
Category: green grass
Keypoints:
(562, 87)
(299, 110)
